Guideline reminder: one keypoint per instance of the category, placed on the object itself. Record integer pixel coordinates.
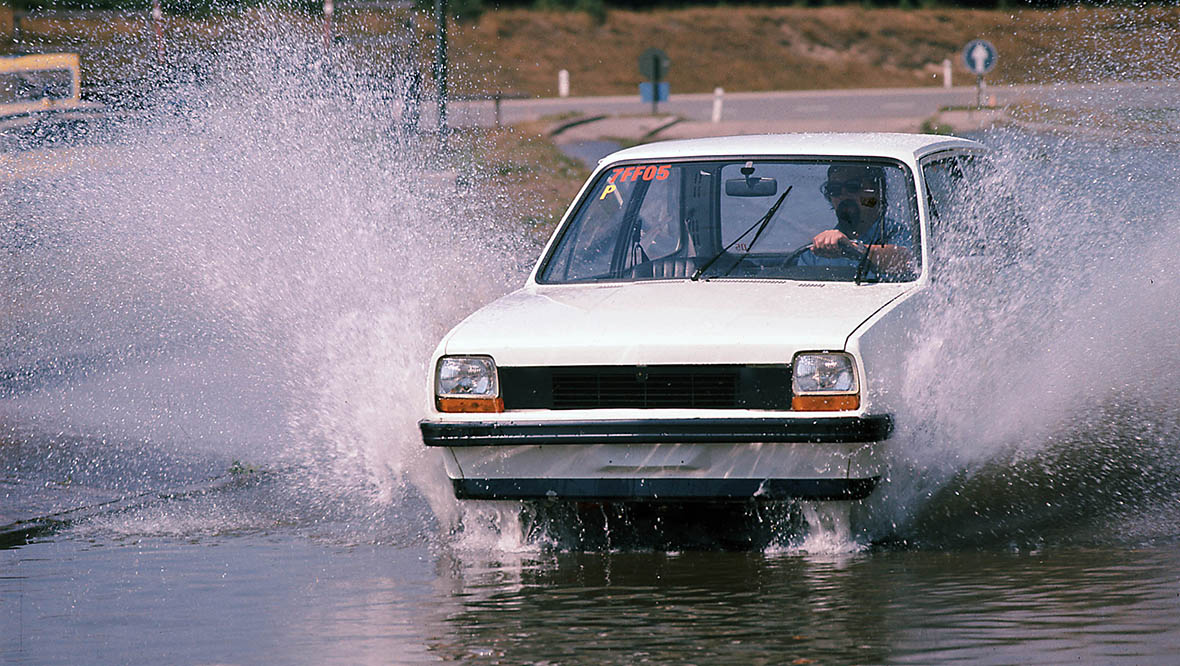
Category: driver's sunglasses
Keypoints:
(835, 188)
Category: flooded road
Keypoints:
(212, 368)
(290, 594)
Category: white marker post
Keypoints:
(563, 83)
(718, 99)
(946, 73)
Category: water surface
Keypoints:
(214, 342)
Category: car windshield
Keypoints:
(813, 219)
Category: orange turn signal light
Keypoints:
(457, 405)
(825, 403)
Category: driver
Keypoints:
(857, 195)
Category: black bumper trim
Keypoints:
(664, 490)
(833, 430)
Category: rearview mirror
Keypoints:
(751, 187)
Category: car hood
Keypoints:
(668, 322)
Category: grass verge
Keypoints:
(736, 48)
(521, 162)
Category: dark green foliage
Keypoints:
(595, 8)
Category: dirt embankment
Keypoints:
(737, 48)
(800, 48)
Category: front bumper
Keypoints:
(683, 459)
(664, 490)
(831, 430)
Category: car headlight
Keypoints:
(824, 382)
(467, 384)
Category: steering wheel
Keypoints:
(846, 248)
(792, 259)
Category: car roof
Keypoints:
(905, 147)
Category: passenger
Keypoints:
(857, 195)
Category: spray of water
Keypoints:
(1042, 388)
(262, 266)
(276, 228)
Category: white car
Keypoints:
(718, 319)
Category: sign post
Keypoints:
(654, 64)
(980, 57)
(329, 9)
(158, 30)
(440, 63)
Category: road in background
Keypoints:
(883, 109)
(778, 106)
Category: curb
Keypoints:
(574, 123)
(651, 134)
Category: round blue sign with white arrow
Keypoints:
(979, 56)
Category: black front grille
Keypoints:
(586, 388)
(647, 387)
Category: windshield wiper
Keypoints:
(761, 225)
(864, 260)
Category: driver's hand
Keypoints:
(827, 243)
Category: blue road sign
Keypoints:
(645, 92)
(980, 56)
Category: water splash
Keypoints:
(829, 529)
(262, 265)
(1037, 385)
(265, 265)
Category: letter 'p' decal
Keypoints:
(607, 190)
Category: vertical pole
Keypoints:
(718, 94)
(412, 101)
(655, 85)
(978, 90)
(158, 30)
(946, 73)
(440, 62)
(329, 9)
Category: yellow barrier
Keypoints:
(45, 82)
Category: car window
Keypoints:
(793, 225)
(942, 178)
(739, 219)
(949, 181)
(968, 217)
(660, 231)
(587, 249)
